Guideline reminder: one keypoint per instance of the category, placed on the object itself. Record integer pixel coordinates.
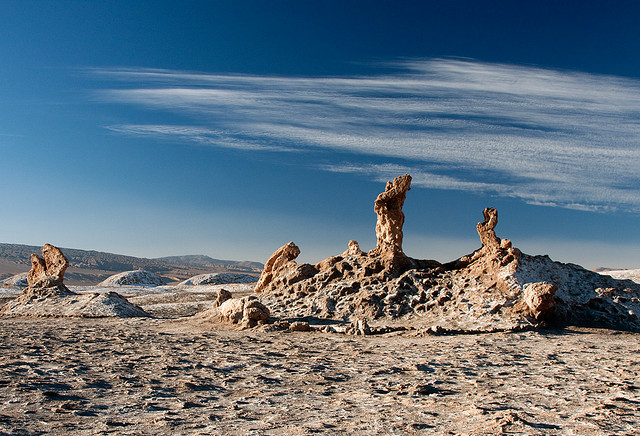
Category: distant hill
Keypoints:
(91, 267)
(206, 261)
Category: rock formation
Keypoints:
(47, 295)
(388, 208)
(486, 230)
(387, 260)
(282, 257)
(496, 287)
(539, 299)
(48, 271)
(222, 295)
(246, 311)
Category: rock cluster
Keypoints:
(496, 287)
(46, 294)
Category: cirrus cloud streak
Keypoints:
(549, 137)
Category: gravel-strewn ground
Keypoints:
(180, 376)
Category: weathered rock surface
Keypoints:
(246, 311)
(133, 278)
(218, 279)
(49, 270)
(276, 264)
(222, 296)
(47, 295)
(497, 287)
(388, 208)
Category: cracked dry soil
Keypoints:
(161, 376)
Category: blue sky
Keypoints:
(229, 128)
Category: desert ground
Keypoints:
(179, 374)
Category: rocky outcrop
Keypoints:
(47, 271)
(47, 295)
(490, 242)
(276, 264)
(51, 303)
(388, 208)
(282, 273)
(496, 287)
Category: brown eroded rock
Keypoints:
(247, 311)
(283, 256)
(56, 262)
(222, 295)
(353, 250)
(299, 326)
(47, 271)
(486, 229)
(388, 207)
(539, 299)
(497, 287)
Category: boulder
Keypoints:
(538, 298)
(222, 295)
(246, 311)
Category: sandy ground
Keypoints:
(183, 376)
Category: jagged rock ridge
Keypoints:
(497, 287)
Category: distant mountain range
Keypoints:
(91, 267)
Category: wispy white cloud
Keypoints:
(557, 138)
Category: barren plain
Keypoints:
(177, 374)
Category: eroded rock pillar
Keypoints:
(49, 270)
(486, 229)
(388, 207)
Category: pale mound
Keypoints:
(624, 274)
(18, 281)
(133, 278)
(219, 279)
(52, 302)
